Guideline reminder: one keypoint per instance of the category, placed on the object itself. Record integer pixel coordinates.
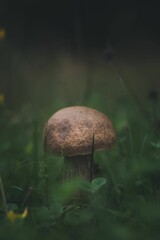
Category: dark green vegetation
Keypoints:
(38, 76)
(123, 202)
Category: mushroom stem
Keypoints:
(78, 166)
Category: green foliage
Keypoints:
(121, 202)
(94, 186)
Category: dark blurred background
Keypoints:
(52, 51)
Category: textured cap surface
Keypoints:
(69, 132)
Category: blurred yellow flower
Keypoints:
(1, 99)
(12, 216)
(2, 33)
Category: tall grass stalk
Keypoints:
(3, 195)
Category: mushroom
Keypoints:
(74, 132)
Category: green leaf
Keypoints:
(72, 218)
(155, 144)
(86, 185)
(65, 191)
(56, 209)
(12, 206)
(97, 183)
(17, 188)
(41, 214)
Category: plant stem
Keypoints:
(27, 196)
(92, 157)
(3, 195)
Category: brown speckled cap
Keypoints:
(69, 132)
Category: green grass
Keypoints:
(124, 205)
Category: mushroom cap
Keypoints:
(69, 132)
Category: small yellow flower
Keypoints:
(2, 33)
(12, 216)
(1, 99)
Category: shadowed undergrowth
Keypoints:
(121, 202)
